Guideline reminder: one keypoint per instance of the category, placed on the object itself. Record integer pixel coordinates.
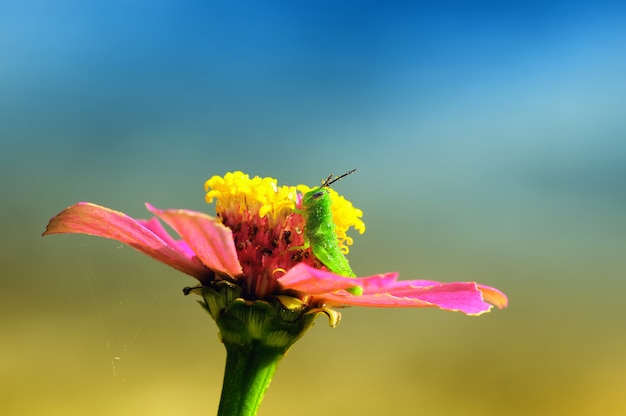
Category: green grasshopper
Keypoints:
(319, 230)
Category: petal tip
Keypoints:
(494, 296)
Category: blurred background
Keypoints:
(490, 144)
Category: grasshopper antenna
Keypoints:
(329, 181)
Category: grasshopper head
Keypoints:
(315, 196)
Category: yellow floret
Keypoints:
(237, 192)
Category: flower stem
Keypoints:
(249, 371)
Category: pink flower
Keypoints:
(257, 243)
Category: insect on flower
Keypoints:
(319, 230)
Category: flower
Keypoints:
(261, 275)
(257, 243)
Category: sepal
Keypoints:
(276, 322)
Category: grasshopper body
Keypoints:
(320, 228)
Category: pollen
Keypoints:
(237, 193)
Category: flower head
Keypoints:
(268, 226)
(257, 250)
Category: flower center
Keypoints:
(268, 225)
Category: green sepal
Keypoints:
(276, 322)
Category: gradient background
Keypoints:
(490, 143)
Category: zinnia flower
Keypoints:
(257, 273)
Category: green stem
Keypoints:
(249, 371)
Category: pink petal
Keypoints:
(377, 300)
(462, 297)
(211, 241)
(386, 291)
(92, 219)
(458, 296)
(312, 281)
(154, 225)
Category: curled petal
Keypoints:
(211, 241)
(494, 296)
(92, 219)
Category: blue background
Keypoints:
(490, 144)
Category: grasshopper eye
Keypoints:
(318, 194)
